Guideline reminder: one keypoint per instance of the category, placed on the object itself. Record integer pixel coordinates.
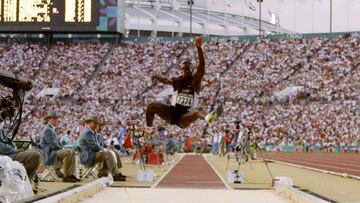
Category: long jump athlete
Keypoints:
(183, 108)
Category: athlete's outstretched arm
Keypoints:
(162, 79)
(200, 71)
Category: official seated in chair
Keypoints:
(92, 153)
(111, 146)
(53, 152)
(29, 158)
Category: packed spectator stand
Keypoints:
(114, 81)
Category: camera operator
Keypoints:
(236, 135)
(8, 105)
(30, 158)
(247, 144)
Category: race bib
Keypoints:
(185, 99)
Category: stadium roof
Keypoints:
(173, 18)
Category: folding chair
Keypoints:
(49, 174)
(89, 172)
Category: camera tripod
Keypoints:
(244, 148)
(136, 140)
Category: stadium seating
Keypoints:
(244, 75)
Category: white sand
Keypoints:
(149, 195)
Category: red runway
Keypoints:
(340, 163)
(192, 172)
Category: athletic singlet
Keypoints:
(185, 97)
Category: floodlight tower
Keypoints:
(190, 3)
(260, 1)
(330, 17)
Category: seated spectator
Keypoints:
(65, 140)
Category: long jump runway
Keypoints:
(192, 172)
(192, 179)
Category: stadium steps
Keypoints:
(221, 75)
(37, 72)
(295, 71)
(43, 61)
(178, 57)
(292, 74)
(93, 75)
(97, 69)
(237, 58)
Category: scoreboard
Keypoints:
(58, 15)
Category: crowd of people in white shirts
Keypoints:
(244, 76)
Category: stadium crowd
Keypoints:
(324, 113)
(245, 76)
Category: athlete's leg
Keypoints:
(162, 110)
(189, 117)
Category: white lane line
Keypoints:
(319, 162)
(316, 169)
(217, 173)
(157, 182)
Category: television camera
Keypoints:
(11, 106)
